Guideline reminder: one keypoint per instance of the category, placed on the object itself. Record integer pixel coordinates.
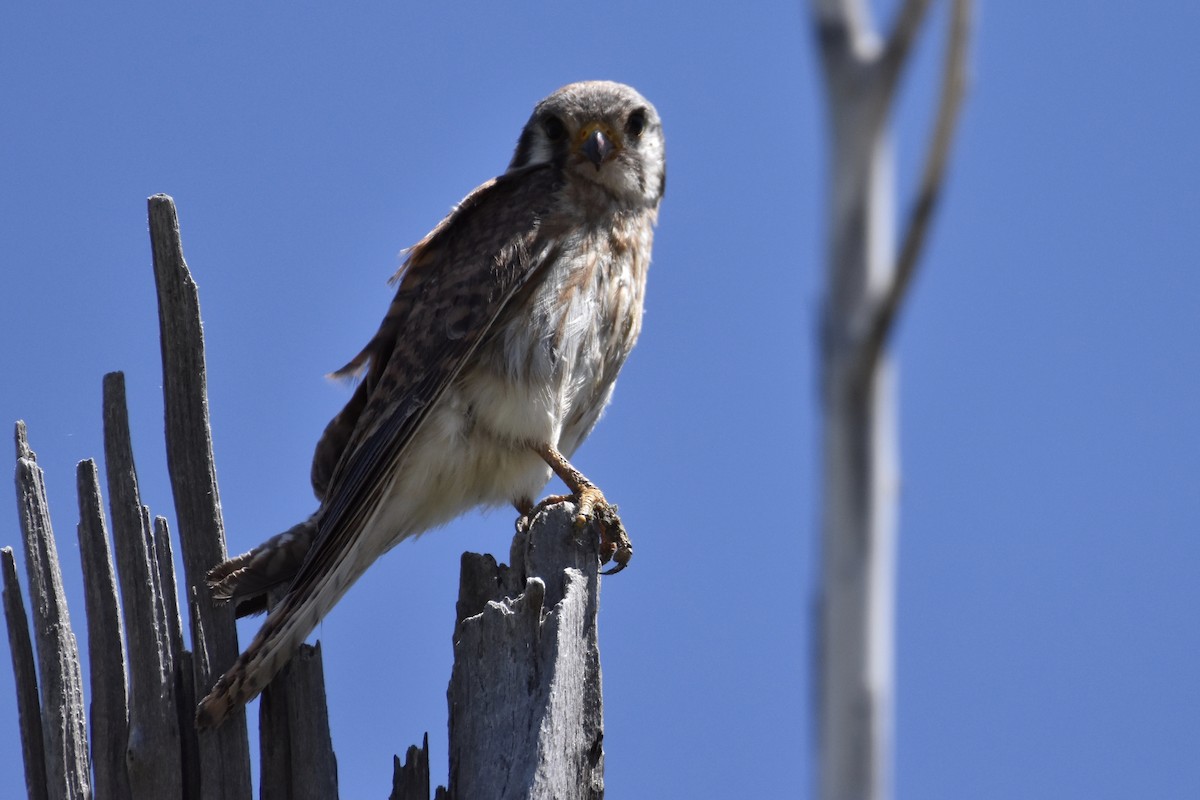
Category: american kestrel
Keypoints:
(494, 362)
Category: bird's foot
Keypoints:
(593, 510)
(614, 540)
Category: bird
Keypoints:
(495, 360)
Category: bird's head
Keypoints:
(601, 132)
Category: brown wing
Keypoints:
(455, 283)
(498, 220)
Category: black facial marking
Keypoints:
(555, 130)
(636, 123)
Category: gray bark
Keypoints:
(64, 725)
(526, 711)
(297, 753)
(29, 709)
(868, 277)
(188, 736)
(526, 707)
(410, 780)
(154, 573)
(224, 751)
(106, 641)
(153, 748)
(165, 576)
(182, 671)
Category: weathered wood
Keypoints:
(867, 279)
(181, 659)
(153, 754)
(165, 564)
(224, 751)
(410, 780)
(161, 618)
(526, 707)
(855, 624)
(188, 736)
(297, 752)
(526, 711)
(106, 641)
(64, 725)
(29, 711)
(274, 753)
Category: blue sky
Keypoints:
(1048, 594)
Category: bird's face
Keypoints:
(603, 133)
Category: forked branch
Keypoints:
(954, 83)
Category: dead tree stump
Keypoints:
(526, 713)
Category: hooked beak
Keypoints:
(597, 145)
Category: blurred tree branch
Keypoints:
(867, 281)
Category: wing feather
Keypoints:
(454, 286)
(456, 282)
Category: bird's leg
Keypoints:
(593, 508)
(586, 493)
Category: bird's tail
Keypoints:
(283, 631)
(246, 579)
(315, 589)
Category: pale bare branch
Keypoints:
(844, 33)
(954, 83)
(850, 15)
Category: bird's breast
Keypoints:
(549, 366)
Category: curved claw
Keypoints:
(621, 558)
(614, 541)
(593, 510)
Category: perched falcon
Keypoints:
(495, 360)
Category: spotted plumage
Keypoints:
(510, 322)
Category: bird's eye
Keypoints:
(554, 127)
(636, 123)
